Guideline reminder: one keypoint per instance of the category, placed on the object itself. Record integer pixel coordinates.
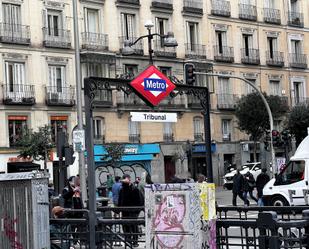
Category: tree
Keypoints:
(298, 122)
(253, 117)
(114, 153)
(36, 145)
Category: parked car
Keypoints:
(254, 168)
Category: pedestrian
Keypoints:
(129, 196)
(201, 178)
(109, 184)
(59, 230)
(251, 185)
(238, 188)
(115, 190)
(261, 181)
(71, 195)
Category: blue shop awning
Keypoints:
(132, 152)
(201, 148)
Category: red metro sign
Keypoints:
(152, 85)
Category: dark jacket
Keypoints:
(238, 183)
(67, 195)
(251, 182)
(129, 196)
(261, 181)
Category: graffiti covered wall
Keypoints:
(180, 215)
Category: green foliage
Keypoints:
(114, 153)
(298, 121)
(252, 114)
(36, 144)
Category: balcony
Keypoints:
(94, 41)
(59, 38)
(131, 101)
(247, 12)
(226, 137)
(134, 2)
(296, 19)
(275, 58)
(272, 16)
(193, 6)
(103, 98)
(220, 8)
(138, 47)
(250, 56)
(227, 101)
(161, 51)
(177, 102)
(300, 101)
(168, 137)
(298, 60)
(195, 51)
(60, 96)
(18, 95)
(224, 54)
(194, 102)
(99, 139)
(198, 137)
(162, 4)
(14, 33)
(134, 138)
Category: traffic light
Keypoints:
(285, 136)
(190, 76)
(276, 137)
(68, 154)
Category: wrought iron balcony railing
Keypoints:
(18, 94)
(193, 6)
(94, 41)
(195, 51)
(134, 138)
(224, 54)
(164, 4)
(227, 101)
(103, 98)
(129, 101)
(275, 58)
(272, 16)
(194, 102)
(298, 60)
(99, 139)
(220, 8)
(300, 101)
(168, 137)
(173, 103)
(247, 12)
(56, 38)
(138, 47)
(14, 33)
(161, 51)
(250, 56)
(226, 137)
(135, 2)
(198, 137)
(60, 96)
(296, 19)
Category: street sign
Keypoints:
(79, 140)
(154, 117)
(152, 85)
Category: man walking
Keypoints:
(115, 190)
(238, 188)
(261, 181)
(251, 185)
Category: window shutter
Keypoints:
(63, 81)
(131, 31)
(123, 26)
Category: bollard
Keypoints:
(268, 220)
(305, 215)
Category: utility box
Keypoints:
(24, 212)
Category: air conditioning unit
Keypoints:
(24, 212)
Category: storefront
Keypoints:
(136, 160)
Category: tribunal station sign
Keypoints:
(154, 117)
(152, 85)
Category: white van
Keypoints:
(291, 184)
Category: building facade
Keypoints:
(263, 41)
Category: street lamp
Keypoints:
(168, 41)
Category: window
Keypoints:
(293, 172)
(192, 35)
(92, 20)
(298, 92)
(198, 128)
(134, 132)
(56, 74)
(11, 14)
(131, 69)
(14, 76)
(99, 129)
(275, 87)
(166, 71)
(294, 5)
(226, 129)
(128, 25)
(270, 4)
(250, 89)
(17, 126)
(224, 86)
(58, 124)
(221, 41)
(162, 28)
(296, 46)
(272, 46)
(168, 135)
(247, 44)
(54, 22)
